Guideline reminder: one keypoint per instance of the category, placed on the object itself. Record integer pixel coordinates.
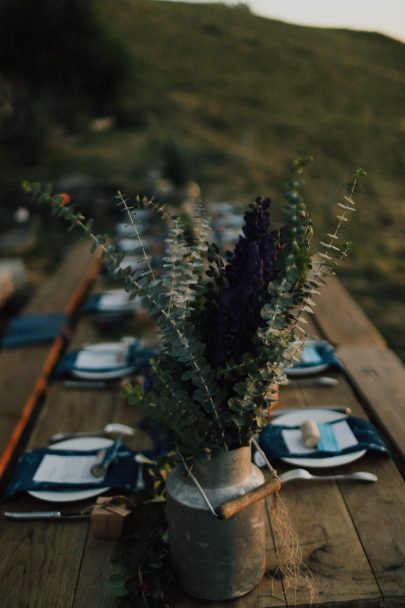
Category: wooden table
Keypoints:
(24, 372)
(352, 535)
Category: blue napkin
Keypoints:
(28, 330)
(136, 361)
(315, 353)
(121, 474)
(273, 443)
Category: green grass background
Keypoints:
(243, 96)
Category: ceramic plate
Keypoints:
(319, 415)
(306, 371)
(117, 300)
(79, 443)
(101, 361)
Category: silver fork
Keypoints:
(307, 476)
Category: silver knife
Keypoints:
(45, 515)
(331, 408)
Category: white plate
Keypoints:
(117, 300)
(79, 443)
(319, 415)
(306, 371)
(120, 372)
(102, 361)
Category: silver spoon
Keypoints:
(109, 429)
(307, 476)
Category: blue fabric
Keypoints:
(28, 330)
(272, 442)
(137, 357)
(327, 441)
(92, 303)
(318, 352)
(122, 473)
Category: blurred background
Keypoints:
(212, 100)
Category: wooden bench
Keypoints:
(352, 535)
(24, 371)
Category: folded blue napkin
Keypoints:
(105, 361)
(315, 353)
(28, 330)
(36, 468)
(275, 440)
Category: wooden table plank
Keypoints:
(25, 370)
(341, 320)
(331, 547)
(41, 563)
(377, 510)
(378, 513)
(68, 283)
(379, 376)
(54, 549)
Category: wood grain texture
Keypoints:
(55, 293)
(379, 376)
(24, 371)
(236, 505)
(377, 510)
(378, 514)
(331, 547)
(341, 320)
(351, 535)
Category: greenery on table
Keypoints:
(145, 578)
(227, 330)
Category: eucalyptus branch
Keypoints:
(278, 308)
(225, 340)
(132, 284)
(122, 202)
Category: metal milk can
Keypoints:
(216, 554)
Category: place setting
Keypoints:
(75, 466)
(321, 437)
(104, 364)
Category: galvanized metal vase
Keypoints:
(216, 559)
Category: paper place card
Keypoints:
(66, 469)
(343, 436)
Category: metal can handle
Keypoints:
(230, 508)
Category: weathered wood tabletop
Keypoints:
(24, 372)
(352, 535)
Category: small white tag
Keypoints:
(66, 469)
(294, 442)
(344, 435)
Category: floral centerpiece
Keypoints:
(229, 324)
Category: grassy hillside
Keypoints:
(242, 96)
